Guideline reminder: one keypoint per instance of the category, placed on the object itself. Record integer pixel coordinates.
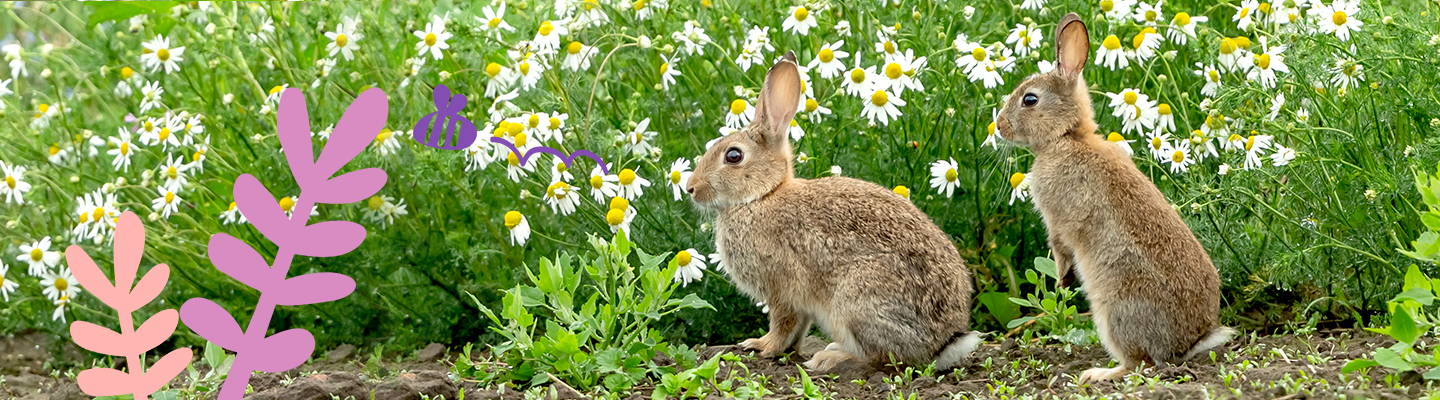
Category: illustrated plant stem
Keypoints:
(132, 361)
(239, 378)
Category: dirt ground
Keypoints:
(1287, 367)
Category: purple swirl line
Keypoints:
(565, 158)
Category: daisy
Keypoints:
(97, 216)
(577, 56)
(173, 173)
(692, 38)
(1025, 38)
(433, 38)
(547, 36)
(679, 176)
(17, 61)
(992, 135)
(1182, 27)
(945, 176)
(14, 187)
(554, 127)
(667, 72)
(1159, 146)
(690, 264)
(123, 149)
(59, 314)
(1204, 145)
(6, 285)
(631, 184)
(799, 21)
(1117, 10)
(620, 215)
(795, 131)
(645, 8)
(38, 256)
(814, 111)
(559, 172)
(1346, 73)
(740, 114)
(161, 131)
(858, 80)
(500, 79)
(882, 107)
(1146, 44)
(1282, 156)
(1138, 112)
(158, 55)
(1033, 4)
(1179, 157)
(1245, 14)
(1264, 66)
(57, 155)
(637, 141)
(590, 14)
(232, 215)
(1212, 79)
(150, 96)
(518, 226)
(562, 198)
(1275, 106)
(343, 38)
(514, 170)
(603, 186)
(197, 158)
(166, 203)
(1019, 187)
(1111, 55)
(529, 70)
(60, 284)
(902, 191)
(1338, 18)
(1231, 52)
(1119, 141)
(1165, 122)
(827, 60)
(1255, 147)
(1149, 15)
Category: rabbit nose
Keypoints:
(690, 190)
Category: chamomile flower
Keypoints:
(559, 172)
(1111, 55)
(1149, 15)
(679, 176)
(14, 186)
(1179, 157)
(1346, 73)
(57, 155)
(619, 215)
(386, 143)
(232, 215)
(692, 38)
(38, 257)
(638, 140)
(898, 73)
(98, 214)
(528, 69)
(1165, 118)
(799, 21)
(1117, 10)
(173, 172)
(1245, 14)
(1255, 147)
(1019, 187)
(161, 131)
(1033, 4)
(59, 314)
(1212, 79)
(562, 198)
(1025, 38)
(668, 72)
(547, 36)
(992, 135)
(1338, 18)
(122, 149)
(1203, 145)
(150, 96)
(343, 39)
(632, 185)
(691, 266)
(158, 55)
(578, 56)
(433, 38)
(514, 169)
(740, 115)
(7, 284)
(1232, 51)
(1282, 156)
(858, 80)
(1265, 65)
(882, 107)
(814, 111)
(60, 284)
(1275, 106)
(827, 61)
(945, 176)
(500, 79)
(1182, 27)
(1121, 143)
(1138, 112)
(167, 202)
(645, 8)
(518, 226)
(1146, 45)
(14, 53)
(1159, 146)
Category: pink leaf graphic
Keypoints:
(357, 128)
(103, 382)
(313, 288)
(163, 371)
(149, 287)
(96, 338)
(129, 246)
(259, 206)
(239, 261)
(90, 276)
(340, 237)
(211, 322)
(293, 127)
(105, 341)
(351, 187)
(284, 351)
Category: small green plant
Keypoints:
(1056, 316)
(589, 321)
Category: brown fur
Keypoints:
(1154, 292)
(863, 263)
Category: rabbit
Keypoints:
(872, 270)
(1153, 290)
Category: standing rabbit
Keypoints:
(1154, 293)
(862, 262)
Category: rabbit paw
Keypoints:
(767, 347)
(827, 359)
(1102, 374)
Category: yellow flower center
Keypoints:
(164, 134)
(558, 190)
(1243, 42)
(951, 175)
(1140, 37)
(98, 213)
(430, 39)
(990, 129)
(827, 55)
(615, 216)
(171, 172)
(638, 5)
(889, 46)
(1107, 5)
(276, 89)
(232, 206)
(1150, 15)
(169, 197)
(1178, 157)
(1155, 143)
(1164, 109)
(1250, 143)
(1111, 43)
(574, 47)
(1115, 137)
(374, 203)
(512, 129)
(1244, 12)
(512, 219)
(597, 181)
(492, 69)
(1214, 75)
(1131, 98)
(684, 257)
(801, 13)
(199, 154)
(1227, 46)
(163, 54)
(902, 191)
(149, 126)
(857, 75)
(60, 284)
(1264, 7)
(493, 22)
(10, 181)
(978, 53)
(627, 176)
(512, 159)
(125, 148)
(1182, 18)
(554, 123)
(893, 70)
(36, 254)
(534, 121)
(287, 203)
(546, 27)
(519, 138)
(738, 106)
(1262, 60)
(1339, 18)
(1016, 179)
(341, 40)
(126, 73)
(675, 177)
(383, 135)
(524, 67)
(619, 203)
(664, 67)
(879, 98)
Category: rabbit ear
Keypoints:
(1072, 46)
(778, 100)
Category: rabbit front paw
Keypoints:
(766, 345)
(827, 360)
(1102, 374)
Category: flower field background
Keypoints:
(1287, 134)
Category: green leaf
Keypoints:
(117, 10)
(1432, 374)
(1390, 359)
(999, 305)
(690, 301)
(1358, 364)
(1402, 325)
(1419, 295)
(1018, 321)
(1046, 266)
(1416, 279)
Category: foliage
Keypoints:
(1056, 316)
(591, 321)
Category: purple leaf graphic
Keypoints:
(566, 158)
(289, 230)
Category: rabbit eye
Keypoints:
(1029, 100)
(733, 156)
